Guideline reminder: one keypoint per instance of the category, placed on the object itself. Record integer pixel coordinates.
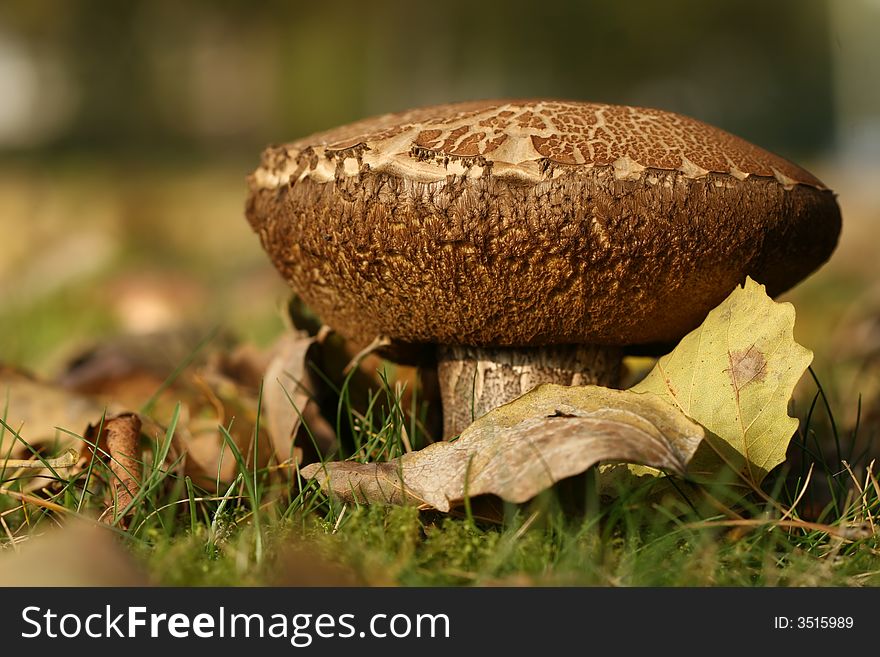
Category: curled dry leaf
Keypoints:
(123, 436)
(119, 446)
(524, 447)
(289, 389)
(735, 375)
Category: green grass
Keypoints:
(262, 529)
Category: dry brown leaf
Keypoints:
(524, 447)
(221, 402)
(78, 554)
(288, 389)
(38, 411)
(302, 564)
(123, 438)
(119, 447)
(46, 417)
(133, 370)
(157, 370)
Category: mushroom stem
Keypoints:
(474, 380)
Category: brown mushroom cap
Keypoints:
(533, 222)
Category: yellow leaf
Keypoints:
(735, 375)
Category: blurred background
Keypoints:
(127, 130)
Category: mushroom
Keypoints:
(532, 241)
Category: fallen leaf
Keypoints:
(221, 405)
(213, 380)
(302, 564)
(38, 411)
(78, 554)
(118, 446)
(735, 375)
(524, 447)
(289, 396)
(151, 372)
(45, 417)
(123, 436)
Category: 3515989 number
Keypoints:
(824, 622)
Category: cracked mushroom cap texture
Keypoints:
(524, 223)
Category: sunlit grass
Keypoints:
(240, 532)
